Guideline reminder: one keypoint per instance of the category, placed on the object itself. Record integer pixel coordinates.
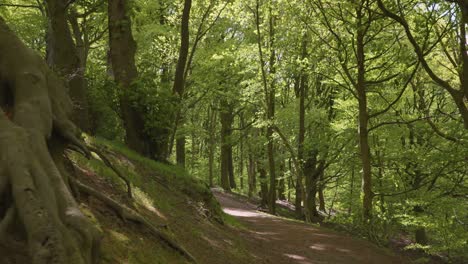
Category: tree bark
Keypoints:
(64, 59)
(312, 170)
(302, 85)
(211, 145)
(281, 182)
(251, 177)
(363, 119)
(227, 169)
(179, 81)
(122, 55)
(271, 116)
(263, 185)
(39, 207)
(320, 194)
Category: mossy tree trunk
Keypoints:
(64, 59)
(37, 208)
(122, 57)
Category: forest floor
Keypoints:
(278, 240)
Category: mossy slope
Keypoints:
(168, 197)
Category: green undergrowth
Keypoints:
(164, 194)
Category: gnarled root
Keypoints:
(33, 186)
(129, 214)
(113, 168)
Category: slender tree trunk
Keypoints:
(271, 117)
(241, 154)
(363, 120)
(302, 85)
(212, 127)
(263, 185)
(251, 174)
(227, 170)
(179, 81)
(351, 192)
(63, 58)
(320, 194)
(281, 182)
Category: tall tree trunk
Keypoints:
(302, 85)
(281, 182)
(320, 194)
(270, 116)
(363, 119)
(64, 59)
(227, 169)
(263, 185)
(160, 136)
(251, 177)
(179, 81)
(311, 173)
(241, 153)
(122, 55)
(351, 191)
(211, 144)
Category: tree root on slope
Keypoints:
(130, 214)
(113, 168)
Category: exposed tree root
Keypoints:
(33, 134)
(113, 168)
(130, 214)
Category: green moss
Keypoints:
(161, 192)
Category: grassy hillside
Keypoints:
(183, 207)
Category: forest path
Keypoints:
(279, 241)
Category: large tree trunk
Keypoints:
(122, 55)
(311, 174)
(179, 81)
(64, 59)
(37, 207)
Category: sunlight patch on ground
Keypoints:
(146, 201)
(241, 213)
(296, 257)
(318, 247)
(265, 233)
(343, 250)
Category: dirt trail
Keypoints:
(278, 241)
